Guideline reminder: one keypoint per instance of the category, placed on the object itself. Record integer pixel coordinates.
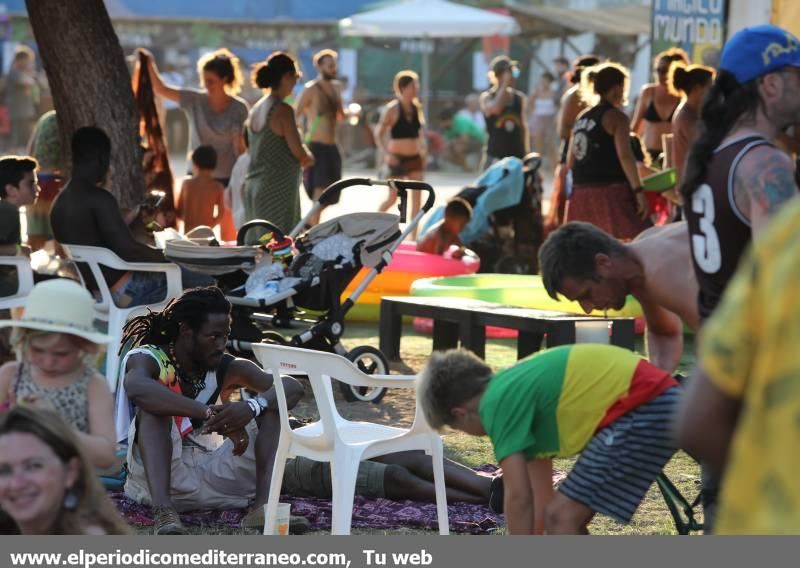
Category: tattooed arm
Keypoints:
(764, 182)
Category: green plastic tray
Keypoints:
(662, 181)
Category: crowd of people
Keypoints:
(721, 267)
(738, 194)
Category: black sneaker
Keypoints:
(299, 525)
(496, 495)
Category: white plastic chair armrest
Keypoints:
(107, 258)
(382, 381)
(24, 272)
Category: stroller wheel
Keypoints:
(274, 337)
(372, 362)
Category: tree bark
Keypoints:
(91, 84)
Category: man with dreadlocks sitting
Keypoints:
(174, 375)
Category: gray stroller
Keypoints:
(303, 308)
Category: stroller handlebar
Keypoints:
(406, 184)
(277, 232)
(331, 194)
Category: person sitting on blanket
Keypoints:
(174, 375)
(437, 239)
(600, 401)
(587, 265)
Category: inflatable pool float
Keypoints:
(406, 267)
(425, 325)
(510, 289)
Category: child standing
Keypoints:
(601, 401)
(201, 201)
(438, 239)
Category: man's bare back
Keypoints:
(665, 255)
(322, 109)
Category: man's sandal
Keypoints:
(167, 521)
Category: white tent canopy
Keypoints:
(428, 19)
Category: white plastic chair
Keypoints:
(342, 442)
(106, 310)
(22, 264)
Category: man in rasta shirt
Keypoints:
(600, 401)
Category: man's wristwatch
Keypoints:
(257, 404)
(209, 412)
(262, 402)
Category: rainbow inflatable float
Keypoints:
(520, 290)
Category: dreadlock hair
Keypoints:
(725, 104)
(161, 328)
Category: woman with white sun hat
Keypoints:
(55, 342)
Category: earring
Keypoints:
(70, 501)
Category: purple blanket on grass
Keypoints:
(367, 513)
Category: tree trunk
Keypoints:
(90, 83)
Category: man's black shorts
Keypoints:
(327, 167)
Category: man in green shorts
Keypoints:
(602, 402)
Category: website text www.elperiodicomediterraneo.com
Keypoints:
(214, 557)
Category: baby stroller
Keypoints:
(327, 258)
(506, 228)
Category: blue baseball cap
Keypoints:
(758, 50)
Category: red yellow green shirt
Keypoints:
(552, 403)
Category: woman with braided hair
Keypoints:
(185, 450)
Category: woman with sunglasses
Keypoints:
(653, 115)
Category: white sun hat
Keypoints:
(60, 306)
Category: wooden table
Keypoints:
(464, 321)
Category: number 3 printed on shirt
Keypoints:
(705, 246)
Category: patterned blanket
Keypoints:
(367, 513)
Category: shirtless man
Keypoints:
(85, 213)
(589, 266)
(320, 104)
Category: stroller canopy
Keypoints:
(505, 182)
(198, 251)
(375, 232)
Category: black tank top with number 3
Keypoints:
(718, 231)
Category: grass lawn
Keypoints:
(653, 517)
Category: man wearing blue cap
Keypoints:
(736, 179)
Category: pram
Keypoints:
(328, 256)
(506, 228)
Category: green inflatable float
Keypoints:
(510, 289)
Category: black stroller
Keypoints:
(328, 257)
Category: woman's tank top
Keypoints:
(406, 127)
(596, 160)
(505, 130)
(544, 106)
